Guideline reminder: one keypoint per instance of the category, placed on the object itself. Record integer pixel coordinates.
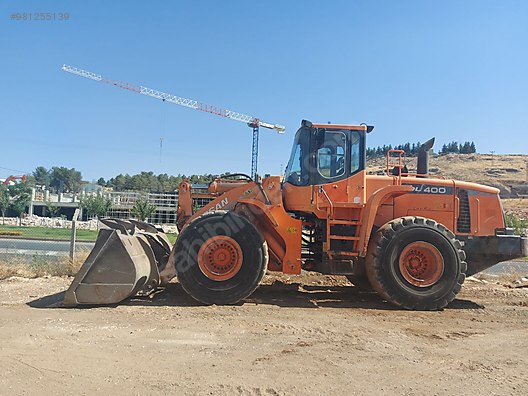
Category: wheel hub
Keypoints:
(220, 258)
(421, 264)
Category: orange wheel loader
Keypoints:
(413, 238)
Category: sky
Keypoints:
(456, 70)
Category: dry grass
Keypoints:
(518, 207)
(499, 171)
(39, 266)
(488, 169)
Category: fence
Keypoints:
(36, 246)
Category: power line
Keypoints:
(15, 170)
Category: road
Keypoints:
(509, 267)
(40, 247)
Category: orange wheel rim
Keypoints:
(220, 258)
(421, 264)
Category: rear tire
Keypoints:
(220, 258)
(416, 263)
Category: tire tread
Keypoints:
(375, 262)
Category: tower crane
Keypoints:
(253, 122)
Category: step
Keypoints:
(332, 253)
(344, 238)
(345, 222)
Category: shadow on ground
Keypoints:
(291, 295)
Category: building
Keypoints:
(122, 204)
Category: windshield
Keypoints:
(297, 169)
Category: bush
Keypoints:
(519, 225)
(10, 233)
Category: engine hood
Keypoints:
(476, 187)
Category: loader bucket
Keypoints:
(126, 260)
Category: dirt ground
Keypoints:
(298, 335)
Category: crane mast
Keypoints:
(253, 122)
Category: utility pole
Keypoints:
(492, 152)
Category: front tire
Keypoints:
(416, 263)
(220, 258)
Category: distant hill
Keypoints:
(501, 171)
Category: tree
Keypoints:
(118, 182)
(96, 205)
(4, 201)
(19, 199)
(53, 210)
(143, 209)
(412, 149)
(101, 181)
(42, 176)
(65, 180)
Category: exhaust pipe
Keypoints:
(422, 167)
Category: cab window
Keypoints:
(331, 155)
(355, 152)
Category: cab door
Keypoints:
(326, 168)
(338, 176)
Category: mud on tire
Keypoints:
(416, 263)
(220, 258)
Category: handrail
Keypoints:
(322, 190)
(399, 165)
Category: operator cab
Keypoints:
(326, 153)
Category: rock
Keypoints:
(170, 228)
(475, 280)
(37, 221)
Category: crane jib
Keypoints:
(166, 97)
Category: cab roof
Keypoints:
(341, 126)
(362, 127)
